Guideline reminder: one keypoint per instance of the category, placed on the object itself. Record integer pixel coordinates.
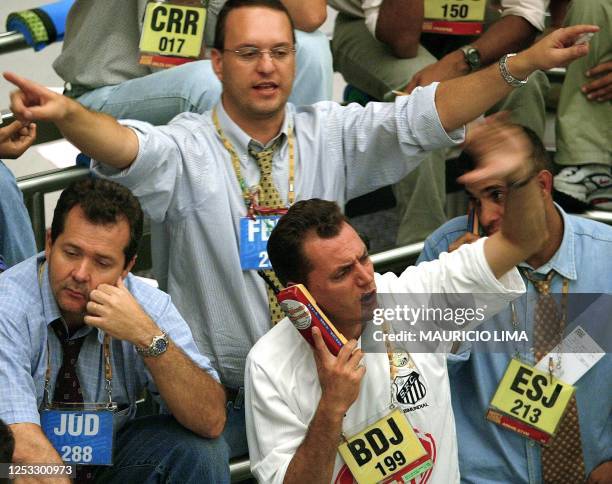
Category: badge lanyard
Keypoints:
(108, 370)
(250, 194)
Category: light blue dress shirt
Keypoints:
(487, 452)
(26, 310)
(185, 182)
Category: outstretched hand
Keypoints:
(558, 48)
(16, 138)
(33, 102)
(501, 151)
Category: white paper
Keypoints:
(580, 352)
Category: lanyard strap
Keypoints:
(392, 367)
(248, 193)
(108, 369)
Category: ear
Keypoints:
(48, 244)
(216, 58)
(128, 268)
(545, 181)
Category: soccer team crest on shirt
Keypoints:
(409, 389)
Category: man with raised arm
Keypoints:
(254, 154)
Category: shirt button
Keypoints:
(531, 443)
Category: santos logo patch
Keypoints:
(409, 389)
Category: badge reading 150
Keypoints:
(254, 235)
(386, 451)
(530, 401)
(80, 437)
(457, 17)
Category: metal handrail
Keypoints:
(12, 41)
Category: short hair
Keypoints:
(539, 158)
(286, 242)
(103, 202)
(230, 5)
(7, 443)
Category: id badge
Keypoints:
(386, 451)
(254, 235)
(530, 402)
(172, 33)
(454, 17)
(80, 436)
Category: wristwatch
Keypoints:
(472, 57)
(158, 346)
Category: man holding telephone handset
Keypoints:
(316, 417)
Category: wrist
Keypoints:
(519, 65)
(459, 62)
(333, 409)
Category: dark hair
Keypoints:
(103, 202)
(233, 5)
(539, 159)
(285, 245)
(7, 443)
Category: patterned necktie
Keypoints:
(562, 459)
(67, 386)
(269, 198)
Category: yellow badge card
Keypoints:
(173, 30)
(531, 397)
(386, 451)
(455, 10)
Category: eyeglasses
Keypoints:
(252, 54)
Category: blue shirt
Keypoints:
(184, 180)
(26, 310)
(487, 452)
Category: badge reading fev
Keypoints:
(386, 451)
(254, 235)
(529, 402)
(172, 33)
(455, 17)
(80, 437)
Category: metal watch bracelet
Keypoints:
(505, 73)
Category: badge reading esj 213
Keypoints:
(529, 402)
(172, 33)
(80, 437)
(386, 451)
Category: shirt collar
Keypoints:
(564, 259)
(51, 311)
(238, 138)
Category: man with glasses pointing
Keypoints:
(216, 182)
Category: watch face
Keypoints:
(473, 58)
(161, 345)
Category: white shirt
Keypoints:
(531, 10)
(283, 391)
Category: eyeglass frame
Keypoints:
(261, 52)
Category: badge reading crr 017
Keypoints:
(173, 30)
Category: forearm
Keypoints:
(98, 135)
(399, 26)
(33, 447)
(195, 399)
(307, 16)
(463, 99)
(509, 34)
(523, 229)
(314, 459)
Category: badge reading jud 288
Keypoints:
(530, 402)
(80, 436)
(254, 235)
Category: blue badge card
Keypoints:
(254, 235)
(80, 437)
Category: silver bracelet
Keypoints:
(509, 78)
